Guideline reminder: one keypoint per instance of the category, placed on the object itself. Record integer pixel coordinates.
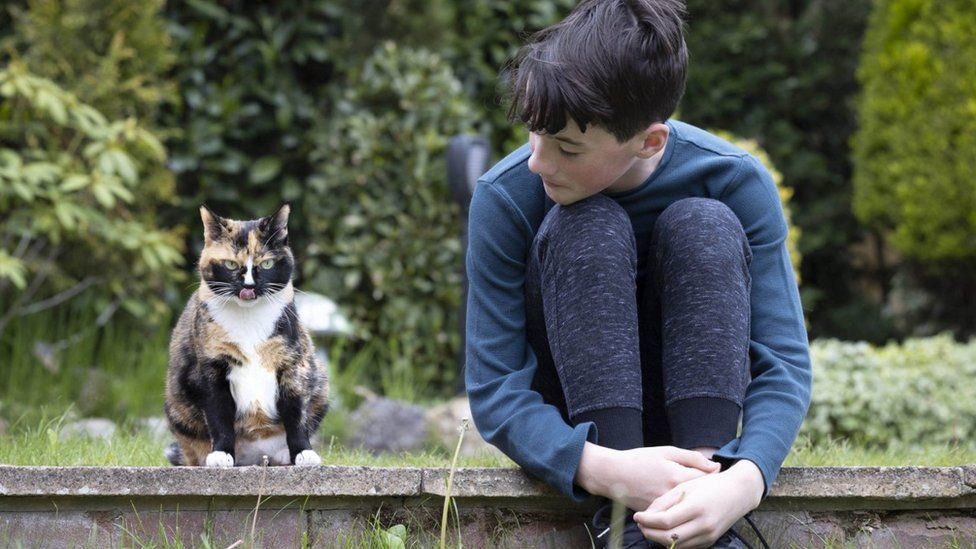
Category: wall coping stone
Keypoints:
(897, 484)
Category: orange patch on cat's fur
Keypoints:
(194, 450)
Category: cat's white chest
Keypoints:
(252, 384)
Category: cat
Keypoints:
(243, 381)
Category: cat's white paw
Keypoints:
(220, 459)
(307, 458)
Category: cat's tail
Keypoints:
(174, 454)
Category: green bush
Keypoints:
(387, 231)
(70, 200)
(112, 54)
(83, 167)
(487, 34)
(915, 150)
(915, 393)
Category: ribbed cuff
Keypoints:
(617, 428)
(703, 421)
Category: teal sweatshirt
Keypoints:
(508, 206)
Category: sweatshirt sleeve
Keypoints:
(778, 396)
(500, 364)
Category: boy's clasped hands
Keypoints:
(686, 499)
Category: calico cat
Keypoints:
(243, 381)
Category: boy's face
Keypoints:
(575, 165)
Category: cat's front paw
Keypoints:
(307, 458)
(220, 459)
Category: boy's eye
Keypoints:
(567, 153)
(231, 264)
(267, 264)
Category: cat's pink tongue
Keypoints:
(247, 294)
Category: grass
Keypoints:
(42, 444)
(56, 359)
(842, 453)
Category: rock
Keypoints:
(320, 315)
(96, 427)
(386, 425)
(445, 421)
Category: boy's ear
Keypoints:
(276, 226)
(655, 137)
(213, 224)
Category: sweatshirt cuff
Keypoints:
(582, 433)
(729, 454)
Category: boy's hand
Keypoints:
(637, 477)
(697, 512)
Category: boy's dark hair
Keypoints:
(619, 64)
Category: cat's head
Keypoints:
(245, 261)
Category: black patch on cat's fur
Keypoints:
(290, 411)
(287, 325)
(219, 407)
(242, 237)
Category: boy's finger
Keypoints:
(666, 500)
(690, 458)
(666, 512)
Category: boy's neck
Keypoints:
(639, 173)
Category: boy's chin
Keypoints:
(564, 199)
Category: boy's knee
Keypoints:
(594, 227)
(701, 228)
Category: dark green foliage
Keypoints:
(287, 101)
(782, 73)
(252, 79)
(488, 34)
(915, 151)
(386, 230)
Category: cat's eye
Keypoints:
(267, 263)
(230, 264)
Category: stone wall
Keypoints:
(337, 506)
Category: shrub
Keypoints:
(84, 175)
(69, 204)
(914, 393)
(386, 229)
(112, 54)
(782, 73)
(487, 35)
(915, 150)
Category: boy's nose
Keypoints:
(537, 164)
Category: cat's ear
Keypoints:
(276, 226)
(213, 224)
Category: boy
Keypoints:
(630, 291)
